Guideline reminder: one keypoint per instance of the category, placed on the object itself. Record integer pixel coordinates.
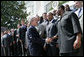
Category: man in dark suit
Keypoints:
(6, 43)
(13, 42)
(10, 42)
(35, 43)
(69, 32)
(19, 49)
(42, 26)
(51, 31)
(23, 33)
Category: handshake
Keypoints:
(49, 40)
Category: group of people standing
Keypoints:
(13, 41)
(54, 34)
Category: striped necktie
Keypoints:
(79, 12)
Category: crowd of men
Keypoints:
(59, 33)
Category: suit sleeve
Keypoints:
(75, 23)
(35, 38)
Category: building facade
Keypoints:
(39, 7)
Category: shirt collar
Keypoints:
(51, 21)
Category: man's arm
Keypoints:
(77, 43)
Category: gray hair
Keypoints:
(30, 20)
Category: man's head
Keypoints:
(44, 15)
(54, 12)
(12, 30)
(67, 7)
(61, 10)
(78, 4)
(5, 32)
(22, 22)
(33, 21)
(18, 25)
(50, 16)
(37, 17)
(8, 31)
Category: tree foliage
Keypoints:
(62, 2)
(12, 12)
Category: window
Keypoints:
(48, 7)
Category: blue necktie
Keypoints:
(79, 12)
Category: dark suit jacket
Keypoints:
(5, 40)
(15, 33)
(23, 30)
(10, 38)
(51, 30)
(35, 43)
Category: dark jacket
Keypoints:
(35, 43)
(51, 30)
(23, 30)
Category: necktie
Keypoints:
(79, 12)
(47, 22)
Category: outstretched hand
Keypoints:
(48, 40)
